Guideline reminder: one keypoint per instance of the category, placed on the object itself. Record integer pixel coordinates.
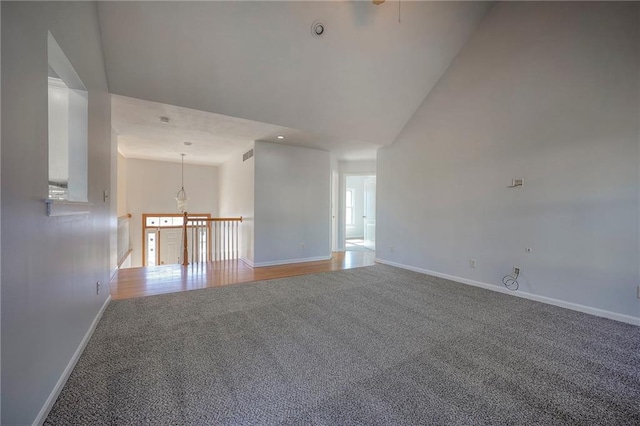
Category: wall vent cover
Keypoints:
(247, 155)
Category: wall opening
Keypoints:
(67, 128)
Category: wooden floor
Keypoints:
(138, 282)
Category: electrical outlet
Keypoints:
(98, 287)
(516, 271)
(639, 292)
(301, 245)
(472, 263)
(392, 249)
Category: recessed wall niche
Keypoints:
(67, 128)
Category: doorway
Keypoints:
(370, 212)
(162, 238)
(360, 212)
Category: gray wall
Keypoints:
(292, 203)
(152, 187)
(236, 197)
(51, 264)
(0, 222)
(113, 204)
(547, 92)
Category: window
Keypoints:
(68, 129)
(349, 211)
(162, 237)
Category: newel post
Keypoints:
(185, 252)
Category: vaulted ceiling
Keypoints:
(360, 81)
(208, 138)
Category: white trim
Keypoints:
(247, 261)
(544, 299)
(57, 82)
(67, 208)
(53, 396)
(288, 261)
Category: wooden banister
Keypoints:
(217, 219)
(126, 216)
(185, 252)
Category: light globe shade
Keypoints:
(182, 200)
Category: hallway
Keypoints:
(357, 244)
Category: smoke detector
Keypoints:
(317, 29)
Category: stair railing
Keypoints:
(124, 238)
(210, 239)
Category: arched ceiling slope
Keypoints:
(361, 81)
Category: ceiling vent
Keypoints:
(247, 155)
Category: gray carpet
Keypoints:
(374, 345)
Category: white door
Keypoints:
(169, 245)
(370, 213)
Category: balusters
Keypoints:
(212, 239)
(226, 239)
(124, 238)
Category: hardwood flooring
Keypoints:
(138, 282)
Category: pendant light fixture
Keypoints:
(181, 196)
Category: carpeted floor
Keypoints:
(374, 345)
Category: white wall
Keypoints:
(236, 197)
(58, 121)
(50, 264)
(357, 184)
(0, 222)
(357, 167)
(152, 187)
(292, 204)
(120, 194)
(547, 92)
(113, 204)
(123, 207)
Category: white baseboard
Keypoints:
(544, 299)
(44, 412)
(247, 261)
(288, 261)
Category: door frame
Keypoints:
(160, 215)
(342, 208)
(366, 210)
